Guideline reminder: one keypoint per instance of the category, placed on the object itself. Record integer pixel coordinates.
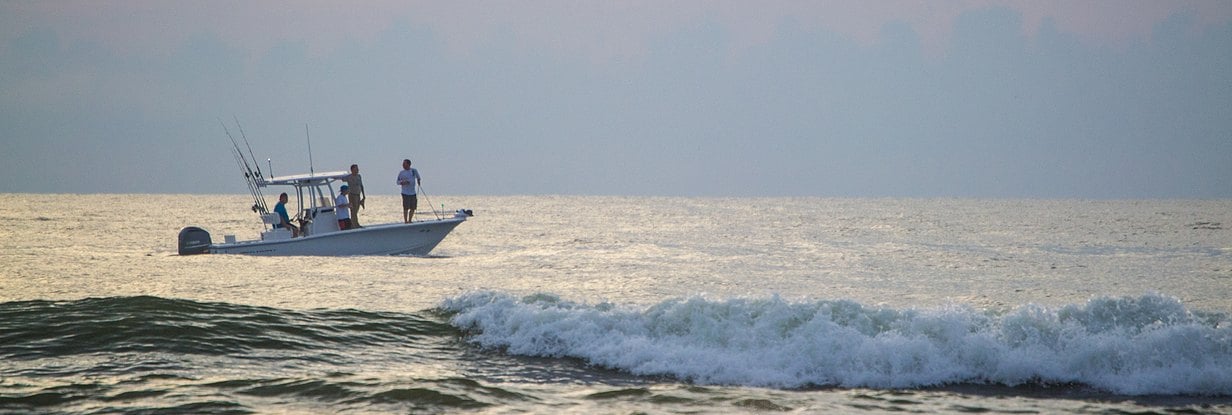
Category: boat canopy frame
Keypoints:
(317, 184)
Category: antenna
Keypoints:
(309, 136)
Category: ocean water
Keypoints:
(626, 305)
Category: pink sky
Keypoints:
(603, 30)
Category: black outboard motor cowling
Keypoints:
(194, 240)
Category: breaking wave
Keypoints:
(1146, 345)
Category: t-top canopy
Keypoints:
(306, 179)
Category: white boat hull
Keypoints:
(417, 238)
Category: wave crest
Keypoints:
(1151, 344)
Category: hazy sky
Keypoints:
(1038, 99)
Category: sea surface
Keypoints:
(563, 304)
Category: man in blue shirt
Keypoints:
(281, 210)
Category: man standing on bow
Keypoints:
(355, 194)
(408, 178)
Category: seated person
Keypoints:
(281, 210)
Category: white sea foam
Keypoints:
(1150, 344)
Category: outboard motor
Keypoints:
(194, 240)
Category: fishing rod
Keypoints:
(259, 177)
(250, 155)
(252, 189)
(247, 183)
(311, 171)
(426, 199)
(235, 153)
(249, 179)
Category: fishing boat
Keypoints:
(319, 232)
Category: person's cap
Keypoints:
(344, 187)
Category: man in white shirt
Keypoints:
(342, 210)
(408, 178)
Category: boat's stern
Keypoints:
(194, 240)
